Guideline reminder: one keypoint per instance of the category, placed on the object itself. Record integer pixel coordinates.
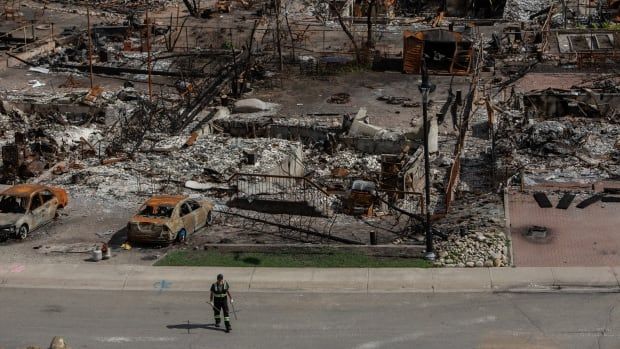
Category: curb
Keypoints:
(311, 280)
(564, 290)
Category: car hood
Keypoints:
(9, 218)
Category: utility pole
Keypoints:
(90, 47)
(426, 88)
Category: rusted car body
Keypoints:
(165, 219)
(360, 198)
(26, 207)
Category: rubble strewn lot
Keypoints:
(573, 149)
(302, 124)
(116, 5)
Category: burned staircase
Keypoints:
(275, 194)
(291, 207)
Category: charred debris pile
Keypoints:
(168, 104)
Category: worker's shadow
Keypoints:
(191, 326)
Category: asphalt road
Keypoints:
(102, 319)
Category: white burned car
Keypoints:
(26, 207)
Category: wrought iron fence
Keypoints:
(282, 188)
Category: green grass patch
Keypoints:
(296, 260)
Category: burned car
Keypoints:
(165, 219)
(26, 207)
(360, 198)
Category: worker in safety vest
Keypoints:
(220, 292)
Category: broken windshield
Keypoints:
(13, 204)
(156, 211)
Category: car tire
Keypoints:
(209, 220)
(22, 232)
(181, 235)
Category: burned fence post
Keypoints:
(373, 237)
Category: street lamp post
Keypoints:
(426, 88)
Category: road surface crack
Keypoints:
(607, 323)
(529, 319)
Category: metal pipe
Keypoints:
(148, 53)
(427, 180)
(426, 88)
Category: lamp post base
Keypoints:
(430, 256)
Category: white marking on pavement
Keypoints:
(387, 342)
(134, 339)
(478, 320)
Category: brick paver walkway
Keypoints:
(579, 237)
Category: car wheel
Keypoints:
(209, 218)
(181, 235)
(22, 233)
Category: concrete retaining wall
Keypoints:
(560, 103)
(293, 165)
(377, 146)
(275, 207)
(265, 128)
(51, 108)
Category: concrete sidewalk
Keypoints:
(363, 280)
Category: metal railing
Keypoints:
(407, 201)
(281, 188)
(29, 37)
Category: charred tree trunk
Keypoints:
(278, 37)
(369, 41)
(192, 8)
(290, 33)
(347, 31)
